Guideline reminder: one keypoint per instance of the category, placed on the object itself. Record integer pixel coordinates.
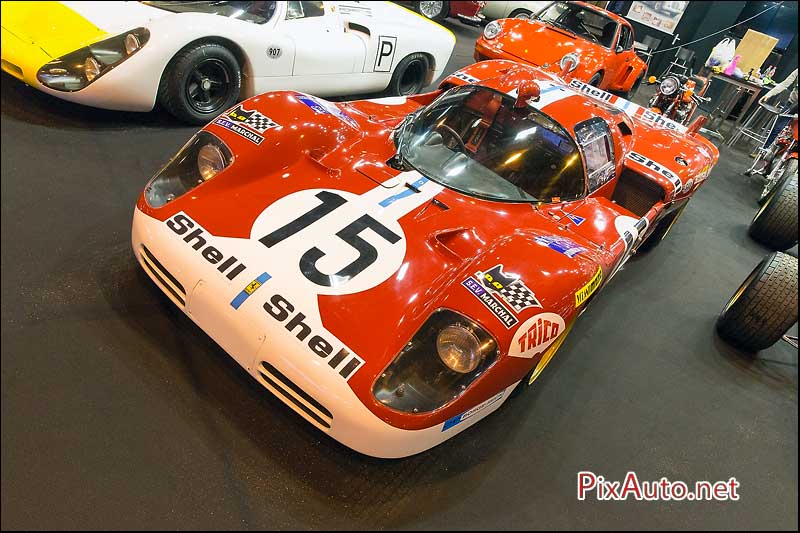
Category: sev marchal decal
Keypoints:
(587, 290)
(248, 124)
(489, 285)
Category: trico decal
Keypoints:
(385, 53)
(664, 171)
(485, 285)
(561, 245)
(321, 107)
(199, 240)
(628, 107)
(630, 229)
(280, 308)
(535, 335)
(471, 412)
(587, 290)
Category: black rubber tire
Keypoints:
(775, 224)
(517, 12)
(437, 18)
(595, 80)
(173, 89)
(786, 173)
(634, 87)
(764, 307)
(414, 65)
(661, 230)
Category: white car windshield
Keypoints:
(256, 12)
(472, 139)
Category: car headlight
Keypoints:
(202, 158)
(492, 30)
(569, 62)
(446, 355)
(669, 85)
(76, 70)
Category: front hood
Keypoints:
(62, 27)
(538, 43)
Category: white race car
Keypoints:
(199, 58)
(498, 9)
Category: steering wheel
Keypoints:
(452, 133)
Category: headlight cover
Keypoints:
(669, 85)
(492, 30)
(569, 62)
(76, 70)
(429, 371)
(202, 158)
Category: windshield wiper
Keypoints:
(563, 27)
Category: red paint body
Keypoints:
(444, 247)
(537, 43)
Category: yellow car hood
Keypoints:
(51, 26)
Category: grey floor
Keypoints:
(118, 413)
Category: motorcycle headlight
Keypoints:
(569, 62)
(492, 30)
(76, 70)
(202, 158)
(669, 85)
(446, 355)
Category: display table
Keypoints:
(729, 98)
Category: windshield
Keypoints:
(583, 22)
(257, 12)
(472, 139)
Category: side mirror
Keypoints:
(696, 124)
(620, 49)
(528, 90)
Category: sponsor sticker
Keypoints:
(471, 412)
(561, 245)
(587, 290)
(660, 169)
(250, 289)
(327, 108)
(498, 291)
(576, 219)
(535, 335)
(465, 77)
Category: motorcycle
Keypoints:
(677, 96)
(777, 160)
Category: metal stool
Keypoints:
(757, 126)
(682, 61)
(651, 45)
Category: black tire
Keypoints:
(634, 87)
(775, 224)
(595, 80)
(661, 230)
(435, 16)
(409, 76)
(517, 13)
(200, 82)
(789, 168)
(764, 307)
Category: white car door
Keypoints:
(321, 44)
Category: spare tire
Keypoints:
(764, 307)
(775, 224)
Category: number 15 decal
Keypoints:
(350, 234)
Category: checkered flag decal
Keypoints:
(260, 122)
(519, 296)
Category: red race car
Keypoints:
(394, 269)
(465, 10)
(595, 43)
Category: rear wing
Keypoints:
(634, 111)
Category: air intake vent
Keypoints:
(12, 69)
(636, 193)
(167, 281)
(295, 397)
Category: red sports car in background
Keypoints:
(464, 10)
(394, 269)
(596, 44)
